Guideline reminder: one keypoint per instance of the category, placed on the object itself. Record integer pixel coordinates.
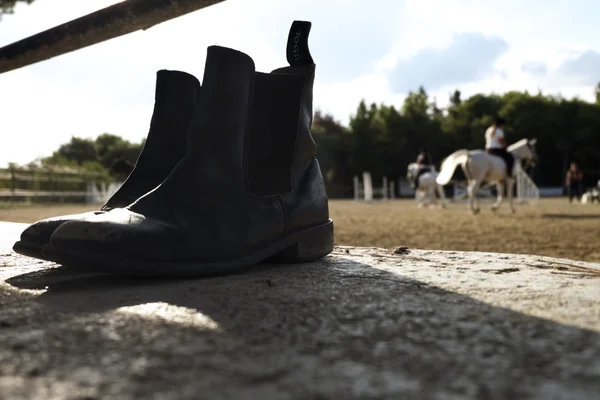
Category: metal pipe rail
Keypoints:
(110, 22)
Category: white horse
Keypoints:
(480, 166)
(427, 186)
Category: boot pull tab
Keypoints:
(297, 48)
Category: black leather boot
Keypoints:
(249, 188)
(175, 102)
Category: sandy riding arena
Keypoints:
(552, 228)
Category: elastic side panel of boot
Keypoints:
(273, 130)
(175, 102)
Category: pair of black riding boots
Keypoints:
(227, 178)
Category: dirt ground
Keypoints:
(552, 228)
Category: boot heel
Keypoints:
(311, 245)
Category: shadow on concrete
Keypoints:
(332, 329)
(571, 216)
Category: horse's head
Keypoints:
(525, 151)
(533, 155)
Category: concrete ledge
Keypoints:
(363, 323)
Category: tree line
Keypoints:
(7, 6)
(383, 139)
(93, 155)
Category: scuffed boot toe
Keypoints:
(38, 234)
(115, 236)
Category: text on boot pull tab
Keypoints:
(297, 51)
(296, 48)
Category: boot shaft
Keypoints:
(216, 140)
(175, 98)
(252, 128)
(175, 101)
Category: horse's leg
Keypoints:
(431, 195)
(511, 188)
(440, 191)
(424, 191)
(472, 191)
(500, 195)
(479, 183)
(418, 198)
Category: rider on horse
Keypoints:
(496, 145)
(424, 163)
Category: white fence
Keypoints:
(96, 195)
(18, 184)
(365, 191)
(527, 190)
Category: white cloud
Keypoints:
(534, 68)
(470, 57)
(582, 70)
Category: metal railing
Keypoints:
(119, 19)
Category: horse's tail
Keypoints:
(449, 165)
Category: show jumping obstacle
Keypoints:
(364, 191)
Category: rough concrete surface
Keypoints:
(363, 323)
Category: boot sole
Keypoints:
(29, 249)
(298, 247)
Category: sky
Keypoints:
(377, 50)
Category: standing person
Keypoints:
(424, 163)
(495, 144)
(574, 180)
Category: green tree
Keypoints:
(435, 112)
(94, 155)
(455, 98)
(416, 104)
(105, 142)
(78, 151)
(7, 6)
(369, 140)
(333, 145)
(384, 139)
(360, 128)
(111, 147)
(325, 124)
